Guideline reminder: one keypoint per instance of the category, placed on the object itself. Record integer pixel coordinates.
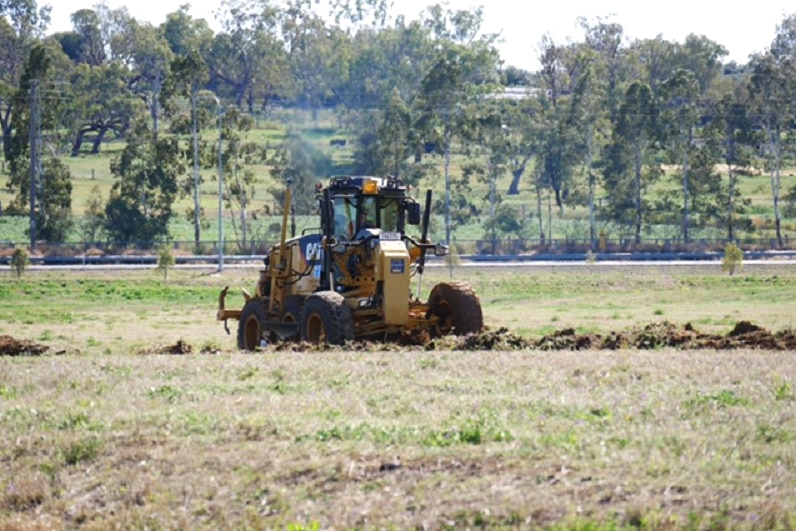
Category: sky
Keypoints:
(522, 23)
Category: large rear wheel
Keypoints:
(326, 319)
(251, 325)
(457, 307)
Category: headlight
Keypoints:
(441, 250)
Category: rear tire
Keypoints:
(326, 319)
(251, 325)
(457, 307)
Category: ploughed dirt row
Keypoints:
(652, 336)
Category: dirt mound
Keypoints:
(15, 347)
(180, 347)
(648, 337)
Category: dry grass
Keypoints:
(112, 436)
(400, 440)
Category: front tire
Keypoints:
(251, 325)
(326, 319)
(457, 307)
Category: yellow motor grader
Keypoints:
(350, 279)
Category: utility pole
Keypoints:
(34, 158)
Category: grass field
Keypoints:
(111, 434)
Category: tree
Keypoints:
(189, 74)
(101, 103)
(165, 260)
(22, 23)
(317, 54)
(733, 258)
(185, 34)
(246, 60)
(94, 217)
(89, 49)
(771, 86)
(54, 217)
(147, 172)
(730, 128)
(488, 150)
(239, 155)
(702, 57)
(626, 156)
(680, 115)
(19, 261)
(565, 76)
(147, 56)
(42, 184)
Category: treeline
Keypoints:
(605, 117)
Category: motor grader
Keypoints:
(350, 279)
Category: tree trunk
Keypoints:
(97, 144)
(730, 186)
(686, 198)
(539, 211)
(590, 174)
(195, 142)
(77, 143)
(730, 193)
(776, 182)
(447, 185)
(516, 175)
(638, 167)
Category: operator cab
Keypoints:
(363, 204)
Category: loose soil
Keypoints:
(744, 334)
(15, 347)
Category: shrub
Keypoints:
(19, 261)
(733, 258)
(165, 260)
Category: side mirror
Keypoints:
(413, 213)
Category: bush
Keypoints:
(165, 260)
(19, 261)
(733, 258)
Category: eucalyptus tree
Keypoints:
(488, 149)
(680, 115)
(147, 57)
(89, 47)
(464, 71)
(394, 143)
(147, 173)
(392, 58)
(730, 128)
(772, 86)
(188, 75)
(40, 182)
(628, 155)
(565, 82)
(609, 63)
(247, 59)
(318, 55)
(101, 102)
(185, 34)
(240, 155)
(22, 25)
(651, 61)
(702, 57)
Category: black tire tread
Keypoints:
(334, 312)
(457, 301)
